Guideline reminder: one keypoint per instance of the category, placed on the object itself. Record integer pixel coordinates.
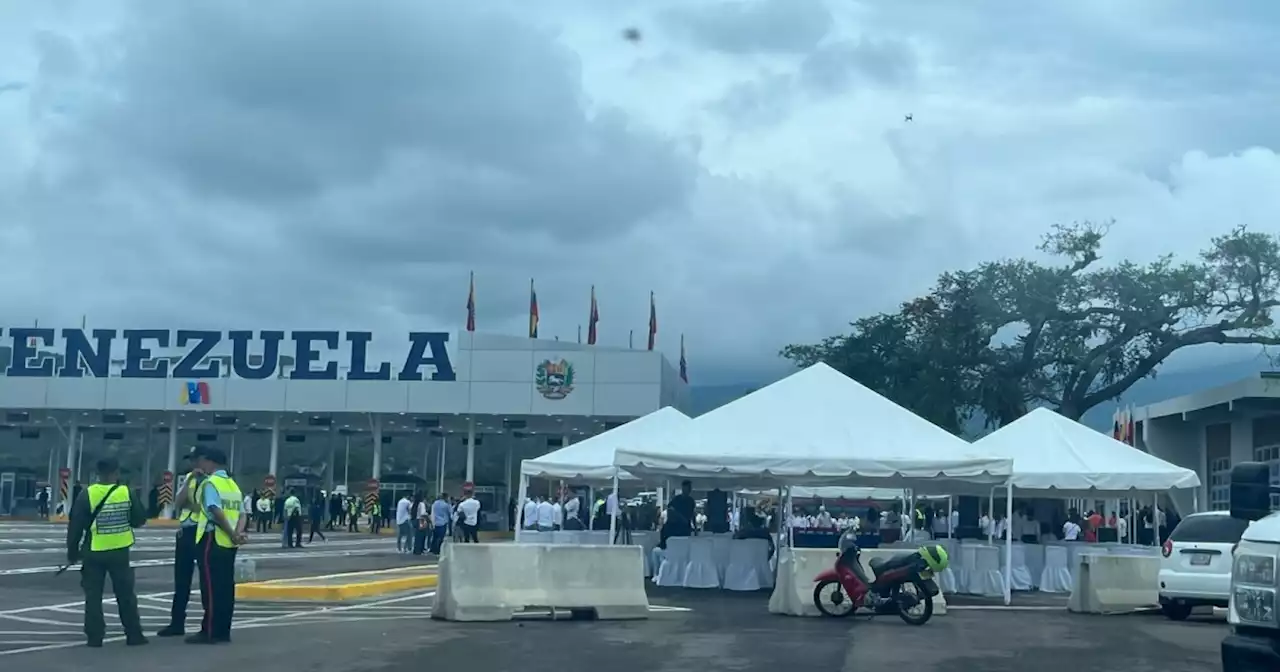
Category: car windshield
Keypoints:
(1209, 530)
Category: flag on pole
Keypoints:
(1116, 432)
(653, 322)
(32, 341)
(533, 311)
(593, 319)
(684, 364)
(1130, 428)
(471, 304)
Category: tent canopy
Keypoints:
(592, 459)
(815, 427)
(835, 492)
(1050, 451)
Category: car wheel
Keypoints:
(1176, 611)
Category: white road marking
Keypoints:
(1001, 607)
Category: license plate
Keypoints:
(1200, 559)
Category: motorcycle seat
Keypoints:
(879, 565)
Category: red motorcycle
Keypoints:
(903, 584)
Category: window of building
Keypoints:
(1220, 484)
(1266, 448)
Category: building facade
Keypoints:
(1212, 430)
(413, 398)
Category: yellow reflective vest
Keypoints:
(232, 502)
(186, 513)
(111, 530)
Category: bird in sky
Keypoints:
(909, 117)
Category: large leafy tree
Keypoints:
(1014, 334)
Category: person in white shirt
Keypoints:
(955, 522)
(824, 519)
(939, 525)
(985, 523)
(469, 518)
(404, 525)
(557, 516)
(530, 521)
(546, 515)
(1070, 530)
(572, 519)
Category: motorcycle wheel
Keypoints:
(829, 597)
(922, 594)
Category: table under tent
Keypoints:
(814, 428)
(589, 464)
(1055, 457)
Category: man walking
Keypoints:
(184, 554)
(293, 521)
(404, 525)
(107, 514)
(469, 517)
(441, 516)
(219, 532)
(317, 519)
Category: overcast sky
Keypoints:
(312, 164)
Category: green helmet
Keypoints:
(935, 557)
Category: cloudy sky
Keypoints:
(314, 163)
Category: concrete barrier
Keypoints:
(797, 569)
(492, 582)
(1114, 584)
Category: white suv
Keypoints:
(1196, 569)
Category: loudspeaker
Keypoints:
(717, 511)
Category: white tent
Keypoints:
(592, 459)
(1051, 452)
(832, 492)
(815, 427)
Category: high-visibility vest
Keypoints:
(232, 501)
(192, 486)
(111, 530)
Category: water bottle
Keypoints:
(246, 570)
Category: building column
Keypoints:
(71, 468)
(377, 446)
(471, 449)
(275, 447)
(333, 462)
(171, 465)
(231, 456)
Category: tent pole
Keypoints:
(613, 516)
(1008, 546)
(524, 493)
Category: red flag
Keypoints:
(471, 304)
(533, 311)
(1116, 431)
(595, 317)
(1130, 432)
(653, 322)
(684, 364)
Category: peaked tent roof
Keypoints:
(1050, 451)
(592, 458)
(814, 427)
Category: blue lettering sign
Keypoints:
(308, 355)
(254, 355)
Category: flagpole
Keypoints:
(579, 334)
(631, 340)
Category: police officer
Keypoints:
(184, 556)
(107, 514)
(219, 532)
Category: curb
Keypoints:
(269, 590)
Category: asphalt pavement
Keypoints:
(704, 631)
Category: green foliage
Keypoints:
(1015, 333)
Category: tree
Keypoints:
(1013, 334)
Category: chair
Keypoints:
(701, 571)
(984, 575)
(1056, 577)
(721, 548)
(748, 565)
(1020, 574)
(675, 560)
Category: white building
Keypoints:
(1212, 430)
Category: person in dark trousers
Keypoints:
(219, 532)
(100, 534)
(317, 520)
(184, 553)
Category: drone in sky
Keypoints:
(909, 117)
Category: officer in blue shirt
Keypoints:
(184, 565)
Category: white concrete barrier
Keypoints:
(1110, 584)
(797, 569)
(491, 582)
